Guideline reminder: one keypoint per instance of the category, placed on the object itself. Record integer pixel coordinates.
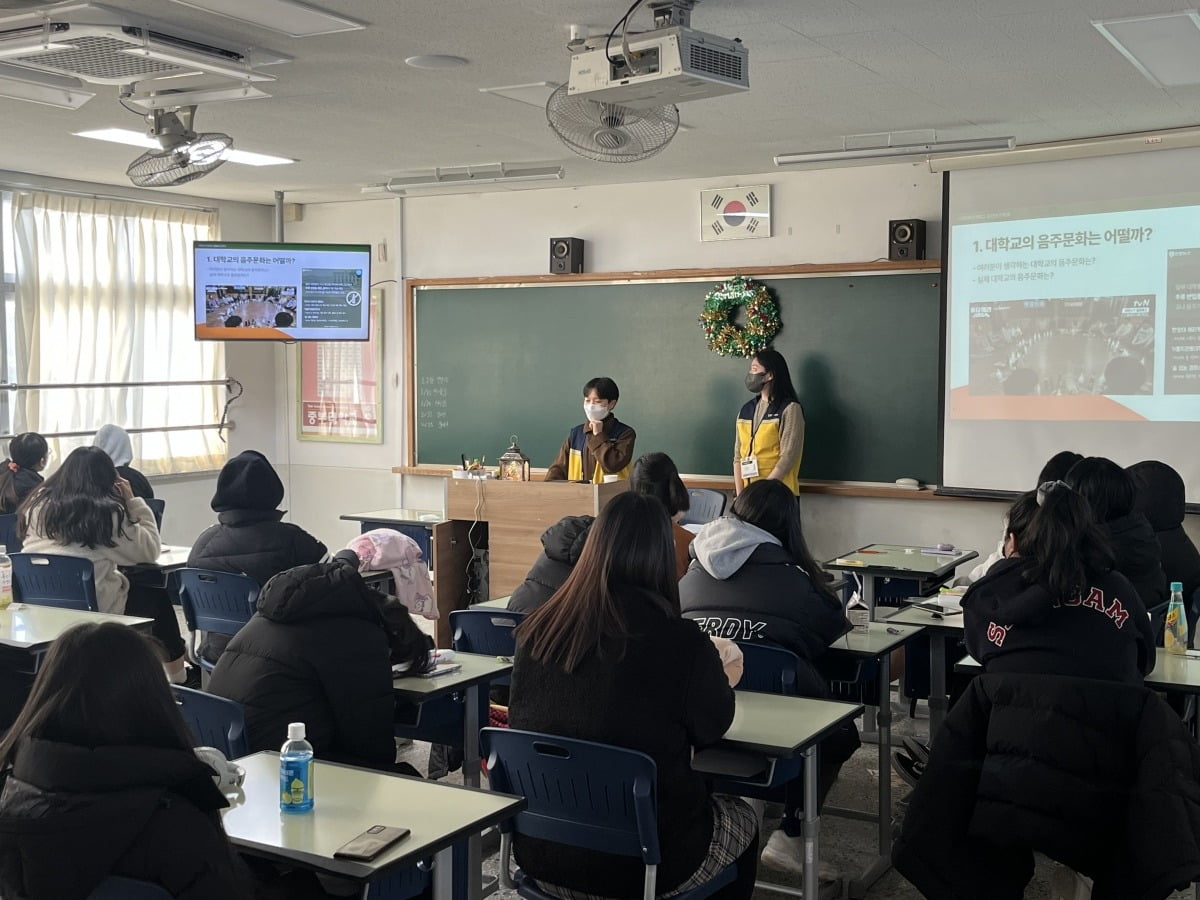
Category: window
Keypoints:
(99, 292)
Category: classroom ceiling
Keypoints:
(353, 113)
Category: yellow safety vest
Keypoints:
(578, 442)
(763, 444)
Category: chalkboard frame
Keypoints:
(414, 286)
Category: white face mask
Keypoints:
(596, 412)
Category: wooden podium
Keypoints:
(516, 513)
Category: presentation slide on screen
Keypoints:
(282, 291)
(1073, 317)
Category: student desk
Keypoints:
(498, 603)
(173, 558)
(783, 727)
(877, 644)
(444, 544)
(348, 801)
(29, 630)
(875, 562)
(941, 626)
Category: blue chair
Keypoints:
(48, 579)
(398, 885)
(158, 507)
(220, 602)
(768, 669)
(8, 533)
(486, 631)
(114, 887)
(213, 721)
(582, 794)
(704, 506)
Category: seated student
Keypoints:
(562, 543)
(1055, 469)
(655, 474)
(85, 509)
(1159, 495)
(1056, 605)
(1109, 491)
(249, 538)
(21, 472)
(609, 659)
(99, 779)
(754, 579)
(114, 441)
(602, 445)
(320, 651)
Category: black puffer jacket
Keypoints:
(562, 543)
(1138, 557)
(22, 482)
(317, 651)
(1100, 776)
(71, 816)
(1160, 496)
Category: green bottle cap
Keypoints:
(1177, 586)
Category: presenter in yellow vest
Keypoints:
(600, 446)
(770, 428)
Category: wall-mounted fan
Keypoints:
(609, 132)
(183, 154)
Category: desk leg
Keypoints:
(443, 875)
(937, 682)
(811, 825)
(868, 597)
(862, 884)
(471, 726)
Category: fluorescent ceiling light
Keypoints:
(18, 83)
(889, 150)
(1166, 48)
(141, 139)
(285, 16)
(24, 49)
(1170, 139)
(468, 175)
(533, 94)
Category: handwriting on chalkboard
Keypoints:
(433, 392)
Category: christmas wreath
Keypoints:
(721, 305)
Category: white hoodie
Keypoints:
(723, 545)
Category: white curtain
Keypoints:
(104, 294)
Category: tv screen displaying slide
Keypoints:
(1073, 316)
(282, 292)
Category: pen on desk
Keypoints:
(464, 461)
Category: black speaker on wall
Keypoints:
(906, 239)
(566, 255)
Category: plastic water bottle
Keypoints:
(6, 590)
(1175, 635)
(296, 772)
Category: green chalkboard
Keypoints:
(863, 350)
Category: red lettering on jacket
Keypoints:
(1095, 599)
(1118, 613)
(997, 633)
(1073, 600)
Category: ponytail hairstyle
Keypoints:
(1054, 527)
(25, 451)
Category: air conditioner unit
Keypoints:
(670, 65)
(102, 45)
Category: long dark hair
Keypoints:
(1054, 527)
(78, 504)
(102, 685)
(629, 549)
(782, 391)
(771, 506)
(655, 474)
(25, 451)
(1107, 488)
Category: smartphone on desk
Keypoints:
(370, 843)
(445, 668)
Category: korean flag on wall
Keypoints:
(735, 213)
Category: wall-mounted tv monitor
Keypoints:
(281, 292)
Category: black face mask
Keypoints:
(755, 381)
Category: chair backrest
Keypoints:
(577, 792)
(220, 602)
(769, 670)
(158, 507)
(8, 533)
(213, 721)
(486, 631)
(48, 579)
(704, 505)
(115, 887)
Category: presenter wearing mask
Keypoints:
(600, 446)
(770, 428)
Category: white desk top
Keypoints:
(878, 641)
(173, 557)
(1175, 672)
(498, 603)
(347, 801)
(28, 627)
(402, 515)
(912, 615)
(476, 669)
(900, 559)
(780, 726)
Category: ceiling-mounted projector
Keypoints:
(666, 66)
